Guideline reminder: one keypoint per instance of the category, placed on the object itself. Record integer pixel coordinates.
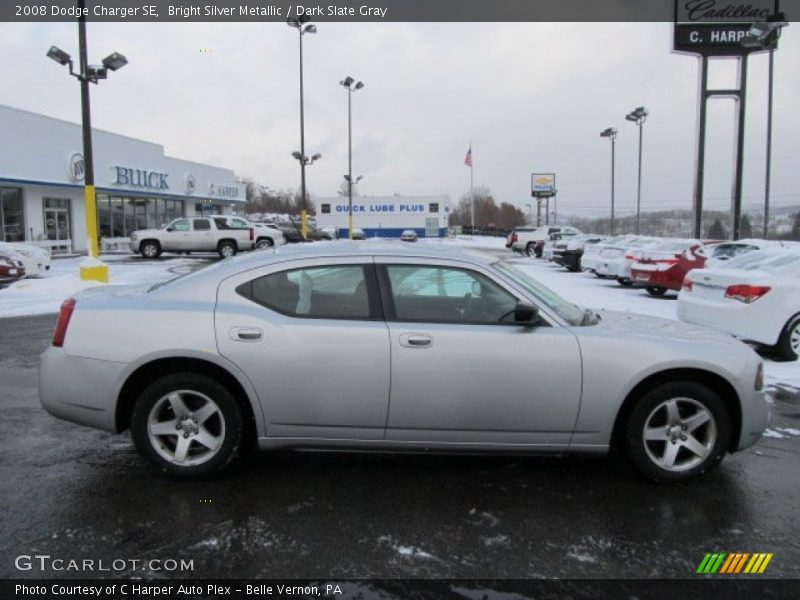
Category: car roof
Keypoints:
(326, 250)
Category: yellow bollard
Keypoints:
(92, 268)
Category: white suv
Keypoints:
(530, 240)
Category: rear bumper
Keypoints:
(735, 318)
(666, 279)
(81, 390)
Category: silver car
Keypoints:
(384, 346)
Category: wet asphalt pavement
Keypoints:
(76, 493)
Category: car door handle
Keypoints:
(246, 334)
(416, 340)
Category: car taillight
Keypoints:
(252, 234)
(629, 256)
(687, 284)
(513, 237)
(758, 384)
(746, 293)
(64, 315)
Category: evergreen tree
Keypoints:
(717, 231)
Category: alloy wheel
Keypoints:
(679, 434)
(186, 428)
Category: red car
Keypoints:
(10, 269)
(663, 267)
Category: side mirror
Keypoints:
(170, 229)
(526, 314)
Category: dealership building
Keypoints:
(386, 216)
(137, 186)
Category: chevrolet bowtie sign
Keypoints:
(716, 27)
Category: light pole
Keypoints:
(92, 268)
(764, 36)
(530, 213)
(348, 83)
(638, 116)
(299, 23)
(611, 133)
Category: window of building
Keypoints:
(448, 295)
(202, 225)
(331, 292)
(117, 216)
(325, 209)
(433, 207)
(12, 219)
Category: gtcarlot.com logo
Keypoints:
(735, 562)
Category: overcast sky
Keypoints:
(530, 96)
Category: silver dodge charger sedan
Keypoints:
(386, 347)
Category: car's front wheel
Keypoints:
(187, 425)
(150, 249)
(263, 244)
(677, 431)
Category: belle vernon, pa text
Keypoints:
(243, 10)
(138, 590)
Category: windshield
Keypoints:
(572, 313)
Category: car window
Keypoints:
(566, 310)
(202, 225)
(180, 225)
(330, 292)
(448, 295)
(239, 223)
(221, 223)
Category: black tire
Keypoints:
(230, 414)
(784, 349)
(596, 274)
(264, 243)
(714, 433)
(624, 282)
(656, 290)
(530, 249)
(150, 249)
(226, 248)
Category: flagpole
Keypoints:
(471, 189)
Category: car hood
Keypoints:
(627, 324)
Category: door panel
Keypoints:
(462, 373)
(316, 377)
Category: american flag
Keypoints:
(468, 158)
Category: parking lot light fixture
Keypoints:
(347, 82)
(301, 24)
(611, 133)
(638, 115)
(92, 268)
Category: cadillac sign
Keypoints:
(716, 27)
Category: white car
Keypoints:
(616, 260)
(530, 240)
(408, 235)
(35, 259)
(755, 297)
(719, 254)
(591, 253)
(266, 235)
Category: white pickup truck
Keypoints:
(193, 234)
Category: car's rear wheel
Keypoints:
(788, 346)
(530, 249)
(656, 290)
(263, 244)
(677, 431)
(226, 248)
(150, 249)
(187, 425)
(624, 281)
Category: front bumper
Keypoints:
(81, 390)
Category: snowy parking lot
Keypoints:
(348, 515)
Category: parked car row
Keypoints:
(531, 240)
(747, 288)
(18, 260)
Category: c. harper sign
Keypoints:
(716, 27)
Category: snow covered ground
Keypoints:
(44, 295)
